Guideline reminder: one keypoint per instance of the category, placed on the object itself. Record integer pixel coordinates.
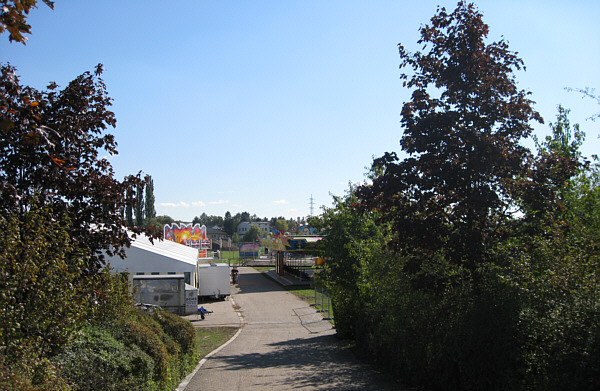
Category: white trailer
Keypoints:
(213, 280)
(166, 291)
(169, 292)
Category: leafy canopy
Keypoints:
(13, 17)
(462, 129)
(51, 147)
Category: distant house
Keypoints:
(245, 226)
(215, 234)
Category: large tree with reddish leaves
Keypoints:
(13, 17)
(60, 209)
(462, 133)
(51, 155)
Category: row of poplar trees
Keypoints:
(471, 264)
(143, 211)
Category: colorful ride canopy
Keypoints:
(189, 235)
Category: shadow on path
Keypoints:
(256, 283)
(311, 363)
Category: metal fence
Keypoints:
(323, 303)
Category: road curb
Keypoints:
(189, 377)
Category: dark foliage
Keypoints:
(13, 17)
(472, 264)
(462, 130)
(50, 149)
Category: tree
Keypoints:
(462, 129)
(13, 17)
(149, 210)
(61, 210)
(139, 205)
(129, 212)
(162, 220)
(228, 224)
(281, 225)
(540, 191)
(39, 282)
(50, 144)
(589, 93)
(563, 141)
(559, 157)
(351, 245)
(252, 234)
(556, 261)
(200, 219)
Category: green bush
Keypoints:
(562, 344)
(181, 331)
(30, 373)
(138, 329)
(96, 361)
(139, 351)
(181, 335)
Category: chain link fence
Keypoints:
(322, 302)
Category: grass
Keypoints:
(306, 293)
(230, 255)
(263, 269)
(210, 338)
(233, 257)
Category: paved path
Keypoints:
(283, 345)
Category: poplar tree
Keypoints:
(149, 210)
(139, 205)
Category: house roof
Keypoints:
(214, 231)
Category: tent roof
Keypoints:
(167, 249)
(163, 257)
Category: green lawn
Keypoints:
(233, 257)
(230, 254)
(263, 269)
(210, 338)
(306, 293)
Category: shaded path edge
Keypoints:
(184, 383)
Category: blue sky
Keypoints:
(258, 105)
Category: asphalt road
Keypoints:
(283, 345)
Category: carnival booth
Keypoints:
(191, 235)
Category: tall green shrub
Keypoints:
(350, 240)
(136, 351)
(44, 294)
(97, 361)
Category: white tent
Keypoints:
(162, 257)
